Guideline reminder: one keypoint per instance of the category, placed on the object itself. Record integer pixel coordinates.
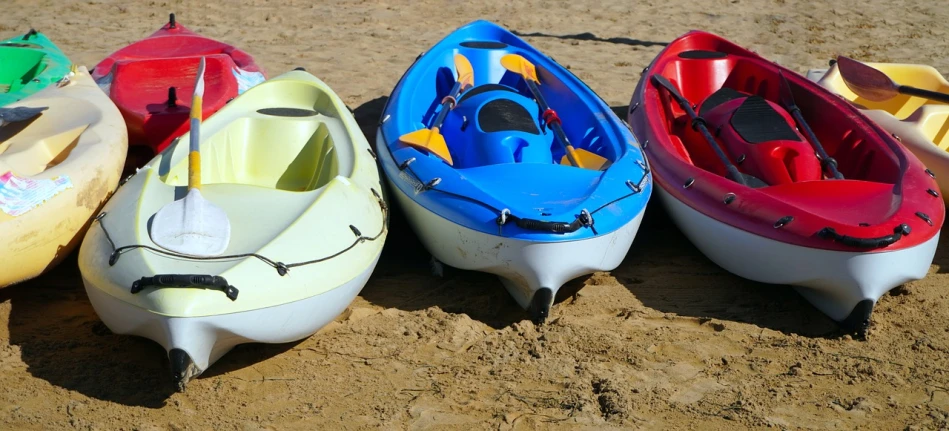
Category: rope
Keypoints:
(505, 214)
(282, 268)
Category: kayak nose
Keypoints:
(183, 368)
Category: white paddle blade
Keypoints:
(192, 226)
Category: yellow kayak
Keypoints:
(291, 169)
(61, 154)
(920, 124)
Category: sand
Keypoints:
(667, 340)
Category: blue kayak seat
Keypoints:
(494, 124)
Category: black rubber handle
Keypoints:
(548, 226)
(186, 281)
(883, 241)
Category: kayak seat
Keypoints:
(245, 151)
(481, 89)
(758, 136)
(494, 124)
(500, 115)
(48, 139)
(20, 66)
(723, 95)
(757, 121)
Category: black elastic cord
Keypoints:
(282, 268)
(407, 166)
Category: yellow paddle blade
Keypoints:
(431, 141)
(465, 71)
(586, 159)
(519, 65)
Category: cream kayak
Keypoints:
(61, 155)
(290, 167)
(921, 125)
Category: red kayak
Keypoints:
(777, 180)
(151, 81)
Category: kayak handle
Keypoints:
(213, 282)
(883, 241)
(584, 219)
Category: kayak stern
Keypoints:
(195, 343)
(531, 271)
(844, 285)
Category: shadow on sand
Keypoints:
(62, 341)
(590, 37)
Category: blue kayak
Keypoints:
(492, 187)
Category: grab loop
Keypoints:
(883, 241)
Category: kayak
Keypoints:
(291, 169)
(920, 124)
(499, 193)
(61, 154)
(774, 211)
(151, 81)
(31, 62)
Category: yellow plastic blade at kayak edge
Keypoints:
(428, 140)
(587, 159)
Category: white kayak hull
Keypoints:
(835, 282)
(525, 267)
(205, 339)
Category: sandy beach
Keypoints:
(666, 341)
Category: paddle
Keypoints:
(193, 226)
(787, 98)
(431, 139)
(577, 157)
(699, 123)
(873, 85)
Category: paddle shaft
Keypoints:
(555, 126)
(787, 98)
(925, 94)
(455, 91)
(194, 156)
(825, 158)
(699, 123)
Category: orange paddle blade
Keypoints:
(587, 160)
(430, 141)
(465, 71)
(519, 65)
